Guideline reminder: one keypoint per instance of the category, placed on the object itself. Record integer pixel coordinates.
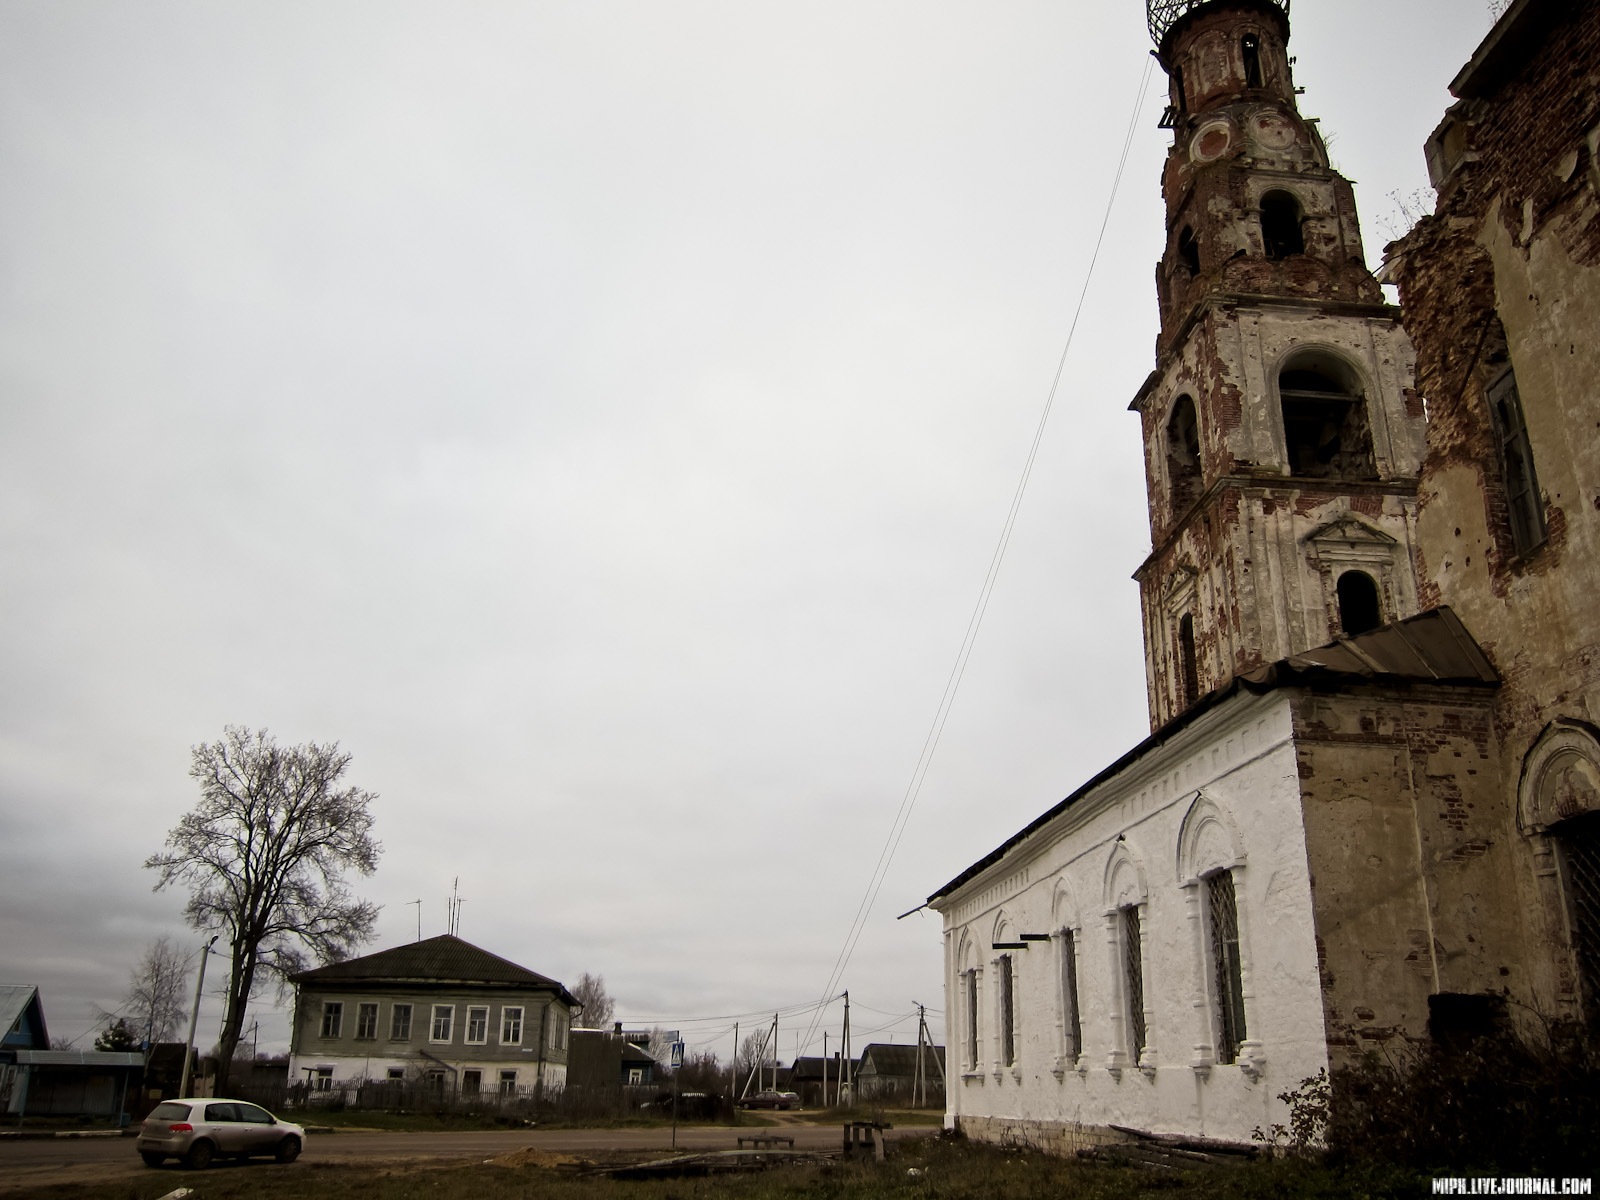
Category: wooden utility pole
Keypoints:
(846, 1076)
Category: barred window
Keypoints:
(972, 1018)
(1008, 1028)
(1072, 1029)
(1228, 979)
(1133, 974)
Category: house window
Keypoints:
(400, 1023)
(1183, 455)
(332, 1017)
(1133, 979)
(972, 1019)
(444, 1016)
(1523, 506)
(396, 1074)
(1008, 1027)
(367, 1022)
(635, 1075)
(1325, 427)
(1229, 981)
(436, 1082)
(511, 1026)
(1281, 233)
(477, 1025)
(323, 1082)
(1359, 610)
(558, 1028)
(1189, 660)
(471, 1082)
(1250, 49)
(508, 1083)
(1071, 1027)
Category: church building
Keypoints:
(1330, 840)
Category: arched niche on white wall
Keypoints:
(1208, 840)
(1560, 777)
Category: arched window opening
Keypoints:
(1189, 251)
(1223, 913)
(1008, 1010)
(1133, 980)
(1183, 454)
(1071, 1024)
(1359, 609)
(1250, 47)
(1325, 419)
(1281, 234)
(1190, 664)
(970, 979)
(1578, 840)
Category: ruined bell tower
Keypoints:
(1282, 434)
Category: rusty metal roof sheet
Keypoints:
(1431, 648)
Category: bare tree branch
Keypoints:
(263, 854)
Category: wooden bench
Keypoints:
(858, 1135)
(766, 1141)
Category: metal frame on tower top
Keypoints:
(1164, 14)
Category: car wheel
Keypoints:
(199, 1156)
(151, 1159)
(288, 1150)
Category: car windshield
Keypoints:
(170, 1112)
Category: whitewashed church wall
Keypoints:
(1232, 775)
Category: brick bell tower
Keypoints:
(1282, 435)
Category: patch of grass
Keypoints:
(939, 1168)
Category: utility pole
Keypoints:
(824, 1068)
(194, 1016)
(846, 1081)
(919, 1090)
(733, 1072)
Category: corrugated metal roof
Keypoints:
(78, 1058)
(442, 959)
(1431, 648)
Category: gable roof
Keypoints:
(442, 959)
(1430, 648)
(889, 1058)
(15, 1001)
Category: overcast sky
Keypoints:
(598, 417)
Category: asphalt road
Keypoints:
(35, 1162)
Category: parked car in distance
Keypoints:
(770, 1099)
(200, 1129)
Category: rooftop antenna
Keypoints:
(418, 903)
(453, 923)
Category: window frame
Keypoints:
(449, 1011)
(1071, 1010)
(398, 1031)
(367, 1030)
(507, 1081)
(332, 1019)
(1226, 961)
(477, 1019)
(511, 1026)
(1006, 1005)
(1525, 505)
(1131, 928)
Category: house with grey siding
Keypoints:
(439, 1012)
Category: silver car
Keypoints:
(199, 1130)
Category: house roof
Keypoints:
(632, 1053)
(14, 1001)
(892, 1059)
(1430, 648)
(80, 1058)
(442, 959)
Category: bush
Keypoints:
(1501, 1104)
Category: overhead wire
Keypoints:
(958, 670)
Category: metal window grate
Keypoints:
(1069, 994)
(1523, 506)
(1133, 969)
(1580, 850)
(1229, 981)
(972, 1019)
(1008, 1029)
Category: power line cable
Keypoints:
(958, 670)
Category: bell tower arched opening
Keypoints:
(1325, 426)
(1281, 231)
(1359, 609)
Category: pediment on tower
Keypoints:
(1348, 530)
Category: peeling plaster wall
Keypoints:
(1241, 757)
(1504, 276)
(1412, 862)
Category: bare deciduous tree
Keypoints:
(598, 1006)
(263, 854)
(156, 1001)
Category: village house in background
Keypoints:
(38, 1081)
(610, 1058)
(439, 1013)
(1367, 807)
